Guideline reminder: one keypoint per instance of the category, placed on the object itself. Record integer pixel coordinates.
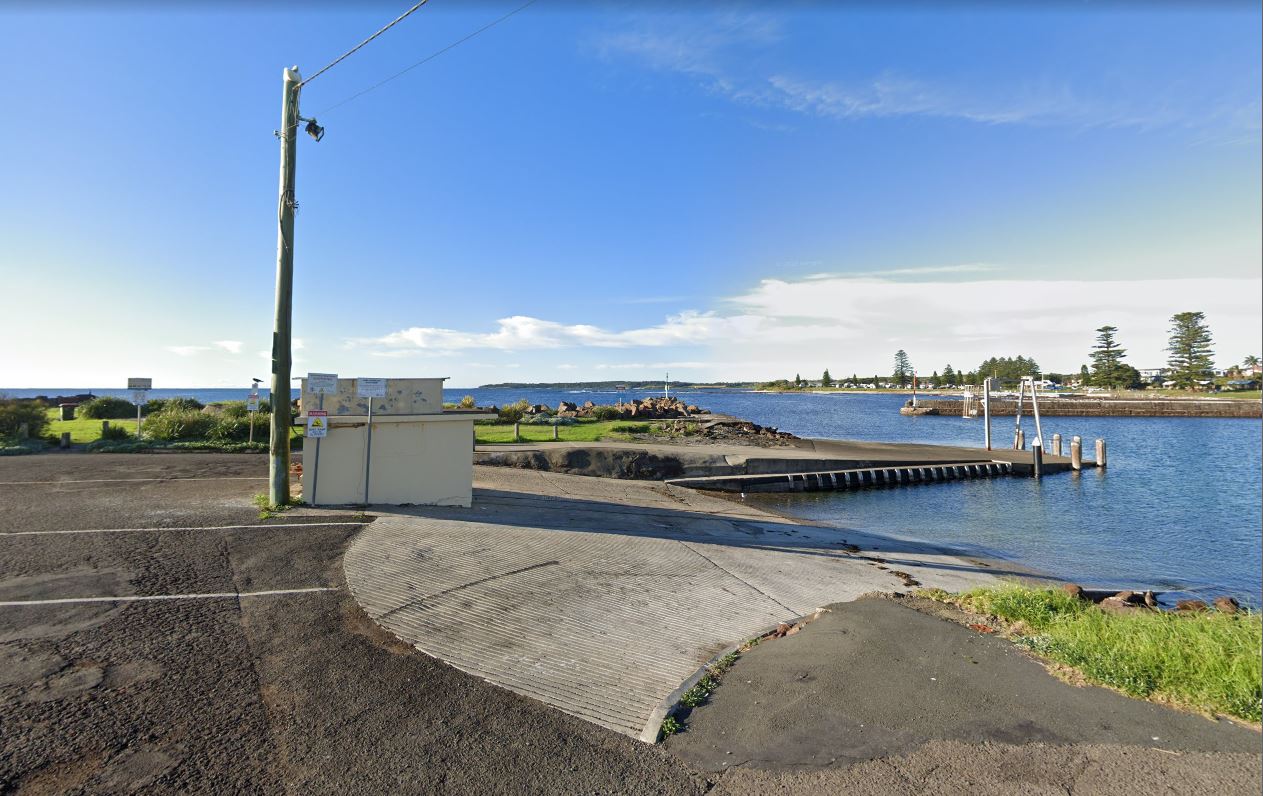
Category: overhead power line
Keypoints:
(426, 59)
(352, 51)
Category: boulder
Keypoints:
(1151, 600)
(1116, 606)
(1130, 597)
(1073, 589)
(1227, 605)
(588, 405)
(1191, 606)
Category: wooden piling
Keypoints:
(1076, 453)
(1100, 453)
(1021, 440)
(1056, 444)
(555, 437)
(517, 434)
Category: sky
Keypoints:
(723, 192)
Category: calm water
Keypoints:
(1178, 509)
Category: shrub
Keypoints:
(231, 408)
(169, 404)
(606, 413)
(173, 425)
(467, 402)
(513, 413)
(237, 429)
(115, 433)
(13, 414)
(549, 420)
(106, 408)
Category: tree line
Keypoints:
(1190, 362)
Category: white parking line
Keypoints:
(129, 480)
(180, 528)
(138, 598)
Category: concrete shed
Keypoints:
(415, 453)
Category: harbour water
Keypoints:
(1177, 510)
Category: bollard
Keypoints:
(1056, 440)
(65, 439)
(517, 434)
(1037, 458)
(555, 437)
(1076, 453)
(105, 426)
(1021, 440)
(24, 430)
(1100, 453)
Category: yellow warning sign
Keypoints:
(317, 423)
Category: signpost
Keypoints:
(140, 394)
(370, 389)
(319, 383)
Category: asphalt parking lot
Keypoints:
(279, 690)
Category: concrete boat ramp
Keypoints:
(602, 596)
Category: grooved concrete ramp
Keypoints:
(600, 597)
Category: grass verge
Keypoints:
(1209, 662)
(584, 430)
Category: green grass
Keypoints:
(1209, 662)
(583, 431)
(85, 430)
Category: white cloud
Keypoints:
(231, 346)
(187, 350)
(854, 323)
(731, 56)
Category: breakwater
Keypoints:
(1104, 407)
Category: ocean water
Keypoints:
(1177, 510)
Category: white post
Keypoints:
(368, 449)
(986, 408)
(1017, 427)
(1035, 408)
(1076, 452)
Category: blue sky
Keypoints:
(587, 193)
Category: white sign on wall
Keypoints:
(326, 383)
(317, 423)
(370, 388)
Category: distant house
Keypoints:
(1152, 375)
(1242, 384)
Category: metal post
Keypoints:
(138, 406)
(1076, 452)
(1100, 453)
(1056, 444)
(315, 468)
(368, 449)
(1017, 427)
(555, 436)
(1035, 409)
(1037, 458)
(986, 408)
(278, 452)
(1020, 445)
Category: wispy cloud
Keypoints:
(231, 346)
(187, 350)
(735, 57)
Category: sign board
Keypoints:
(140, 384)
(322, 383)
(317, 423)
(139, 397)
(370, 388)
(252, 402)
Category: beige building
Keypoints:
(412, 451)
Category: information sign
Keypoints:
(140, 384)
(317, 423)
(322, 383)
(370, 388)
(139, 397)
(252, 402)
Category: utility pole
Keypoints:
(278, 455)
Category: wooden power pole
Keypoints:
(278, 455)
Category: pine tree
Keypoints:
(826, 380)
(903, 369)
(1190, 349)
(949, 376)
(798, 380)
(1107, 360)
